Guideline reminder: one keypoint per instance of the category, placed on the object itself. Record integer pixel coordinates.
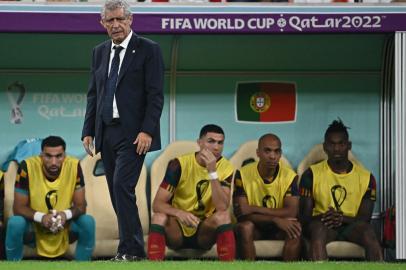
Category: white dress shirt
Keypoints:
(123, 44)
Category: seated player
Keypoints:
(50, 206)
(192, 203)
(266, 202)
(337, 199)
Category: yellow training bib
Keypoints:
(46, 195)
(341, 191)
(193, 192)
(262, 194)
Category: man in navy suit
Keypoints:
(124, 105)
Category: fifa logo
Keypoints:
(15, 94)
(201, 189)
(269, 201)
(51, 199)
(339, 194)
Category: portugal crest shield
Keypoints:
(260, 102)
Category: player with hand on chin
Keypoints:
(191, 205)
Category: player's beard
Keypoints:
(53, 171)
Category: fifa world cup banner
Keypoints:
(265, 102)
(209, 19)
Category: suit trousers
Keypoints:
(123, 167)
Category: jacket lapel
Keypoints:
(104, 64)
(106, 59)
(128, 57)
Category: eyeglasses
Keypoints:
(110, 21)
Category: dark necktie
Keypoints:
(110, 87)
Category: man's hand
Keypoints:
(54, 221)
(290, 226)
(63, 217)
(209, 160)
(143, 142)
(188, 218)
(88, 145)
(241, 210)
(332, 218)
(47, 221)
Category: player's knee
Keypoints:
(159, 219)
(293, 242)
(221, 217)
(367, 232)
(244, 228)
(16, 225)
(317, 231)
(316, 228)
(87, 224)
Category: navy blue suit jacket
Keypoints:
(139, 92)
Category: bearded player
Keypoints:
(50, 206)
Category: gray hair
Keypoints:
(112, 5)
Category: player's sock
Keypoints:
(156, 243)
(225, 243)
(85, 228)
(16, 227)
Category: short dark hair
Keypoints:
(337, 126)
(53, 141)
(210, 128)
